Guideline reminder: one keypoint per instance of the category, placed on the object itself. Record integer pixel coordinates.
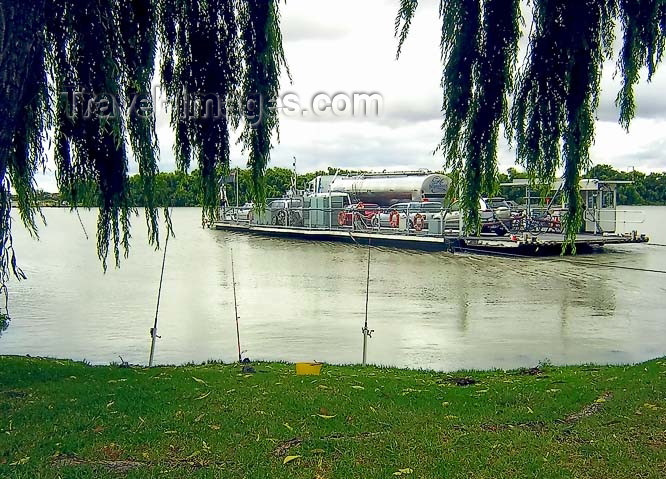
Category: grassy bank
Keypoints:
(70, 420)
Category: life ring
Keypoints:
(394, 219)
(419, 222)
(342, 218)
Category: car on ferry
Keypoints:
(496, 203)
(368, 212)
(286, 211)
(241, 213)
(493, 219)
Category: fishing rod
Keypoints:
(367, 333)
(233, 282)
(153, 330)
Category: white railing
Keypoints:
(387, 220)
(623, 218)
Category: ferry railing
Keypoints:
(367, 219)
(290, 213)
(345, 219)
(624, 217)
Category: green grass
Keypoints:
(71, 420)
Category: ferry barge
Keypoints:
(410, 210)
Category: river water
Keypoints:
(302, 300)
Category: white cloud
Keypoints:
(408, 131)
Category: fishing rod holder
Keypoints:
(367, 333)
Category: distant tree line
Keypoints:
(182, 189)
(277, 182)
(170, 189)
(645, 189)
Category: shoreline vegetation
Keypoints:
(60, 418)
(183, 189)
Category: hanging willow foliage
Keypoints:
(76, 75)
(558, 94)
(479, 42)
(644, 25)
(555, 93)
(264, 60)
(198, 75)
(460, 52)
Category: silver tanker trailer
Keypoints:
(385, 189)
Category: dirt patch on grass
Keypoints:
(125, 465)
(467, 381)
(363, 435)
(529, 426)
(113, 465)
(536, 371)
(14, 394)
(283, 447)
(590, 409)
(657, 441)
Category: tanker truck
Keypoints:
(385, 189)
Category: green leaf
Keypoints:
(403, 472)
(288, 459)
(200, 381)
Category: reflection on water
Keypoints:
(305, 300)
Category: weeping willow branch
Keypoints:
(82, 70)
(199, 75)
(590, 27)
(264, 60)
(554, 96)
(138, 30)
(500, 32)
(23, 103)
(644, 25)
(558, 94)
(479, 42)
(403, 22)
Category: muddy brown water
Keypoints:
(303, 300)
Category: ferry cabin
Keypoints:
(599, 201)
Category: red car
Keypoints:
(364, 211)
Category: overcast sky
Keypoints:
(348, 46)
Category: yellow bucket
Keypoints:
(308, 369)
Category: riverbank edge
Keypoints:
(603, 421)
